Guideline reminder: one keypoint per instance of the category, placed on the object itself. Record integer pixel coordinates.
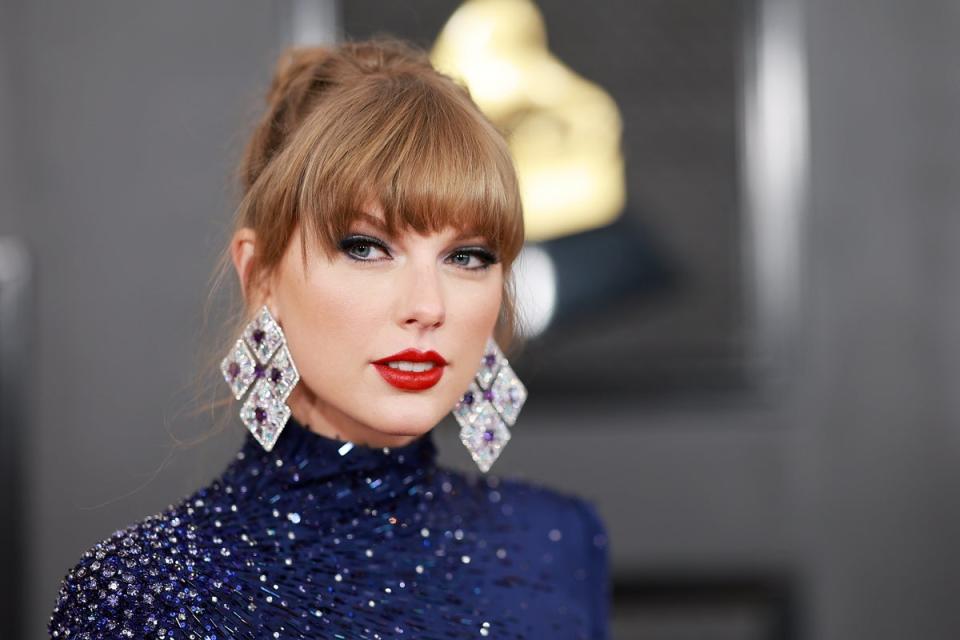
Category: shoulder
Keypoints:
(570, 530)
(547, 513)
(129, 584)
(579, 514)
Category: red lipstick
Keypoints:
(412, 380)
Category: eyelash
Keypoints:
(354, 241)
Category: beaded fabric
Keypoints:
(321, 538)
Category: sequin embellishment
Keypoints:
(316, 540)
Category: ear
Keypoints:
(242, 249)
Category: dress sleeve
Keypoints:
(598, 570)
(76, 614)
(101, 597)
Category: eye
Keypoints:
(482, 259)
(359, 248)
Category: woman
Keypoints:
(373, 247)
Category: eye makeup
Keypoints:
(353, 243)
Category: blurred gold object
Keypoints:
(563, 130)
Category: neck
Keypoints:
(325, 420)
(303, 460)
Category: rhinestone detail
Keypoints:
(491, 361)
(265, 414)
(485, 437)
(263, 335)
(509, 394)
(237, 368)
(488, 406)
(282, 375)
(261, 360)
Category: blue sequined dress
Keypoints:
(323, 539)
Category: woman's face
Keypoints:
(376, 297)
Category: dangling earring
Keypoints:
(260, 359)
(490, 404)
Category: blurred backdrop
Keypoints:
(739, 290)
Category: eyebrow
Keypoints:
(380, 224)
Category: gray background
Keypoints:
(119, 125)
(681, 324)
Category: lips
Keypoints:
(411, 380)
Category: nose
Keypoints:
(422, 297)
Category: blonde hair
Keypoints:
(370, 121)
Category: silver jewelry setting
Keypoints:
(489, 407)
(261, 360)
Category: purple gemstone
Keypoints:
(259, 335)
(488, 395)
(488, 435)
(260, 414)
(276, 375)
(233, 370)
(258, 371)
(490, 359)
(468, 397)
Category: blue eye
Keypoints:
(359, 247)
(484, 257)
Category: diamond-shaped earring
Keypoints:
(260, 359)
(490, 404)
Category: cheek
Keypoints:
(337, 320)
(472, 313)
(472, 317)
(330, 324)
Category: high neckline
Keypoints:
(312, 456)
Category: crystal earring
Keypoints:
(260, 359)
(490, 404)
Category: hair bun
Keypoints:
(301, 71)
(295, 68)
(384, 53)
(298, 78)
(303, 74)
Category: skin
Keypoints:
(339, 315)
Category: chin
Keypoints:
(406, 423)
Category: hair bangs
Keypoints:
(424, 156)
